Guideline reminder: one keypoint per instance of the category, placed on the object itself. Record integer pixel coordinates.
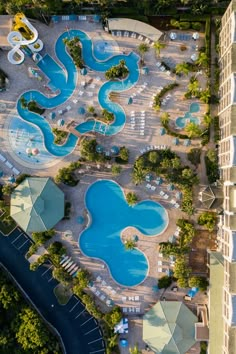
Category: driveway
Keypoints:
(79, 331)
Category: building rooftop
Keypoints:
(5, 28)
(216, 329)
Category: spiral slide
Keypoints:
(15, 38)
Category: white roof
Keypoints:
(127, 24)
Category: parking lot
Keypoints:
(79, 330)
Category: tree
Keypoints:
(113, 317)
(124, 154)
(113, 341)
(130, 244)
(8, 296)
(142, 49)
(180, 269)
(91, 109)
(198, 282)
(158, 46)
(165, 118)
(61, 275)
(182, 68)
(205, 96)
(23, 102)
(193, 87)
(164, 282)
(212, 155)
(202, 60)
(7, 189)
(131, 198)
(153, 157)
(135, 350)
(138, 175)
(176, 163)
(182, 283)
(116, 169)
(193, 130)
(207, 219)
(194, 156)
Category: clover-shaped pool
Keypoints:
(110, 214)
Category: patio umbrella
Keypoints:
(195, 35)
(80, 219)
(172, 239)
(130, 100)
(96, 18)
(115, 150)
(162, 131)
(123, 342)
(60, 122)
(99, 149)
(173, 36)
(175, 141)
(28, 151)
(83, 71)
(169, 272)
(194, 57)
(1, 173)
(11, 179)
(145, 70)
(170, 187)
(135, 238)
(52, 115)
(81, 110)
(148, 177)
(178, 195)
(35, 151)
(159, 181)
(187, 142)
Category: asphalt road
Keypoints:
(79, 331)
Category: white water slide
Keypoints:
(16, 55)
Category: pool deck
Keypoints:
(176, 106)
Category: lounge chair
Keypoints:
(68, 108)
(159, 263)
(160, 270)
(99, 278)
(131, 298)
(148, 186)
(102, 297)
(125, 310)
(124, 298)
(136, 298)
(2, 158)
(176, 205)
(153, 188)
(15, 171)
(75, 101)
(8, 164)
(160, 255)
(97, 293)
(162, 193)
(137, 309)
(166, 196)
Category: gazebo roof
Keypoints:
(209, 194)
(37, 204)
(169, 327)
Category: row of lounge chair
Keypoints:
(9, 165)
(130, 298)
(132, 35)
(131, 309)
(101, 296)
(153, 147)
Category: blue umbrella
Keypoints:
(135, 238)
(130, 100)
(170, 187)
(172, 239)
(60, 122)
(11, 179)
(99, 149)
(187, 142)
(175, 141)
(80, 219)
(52, 115)
(159, 181)
(83, 71)
(81, 110)
(169, 272)
(96, 18)
(178, 195)
(162, 131)
(148, 177)
(145, 70)
(1, 173)
(115, 150)
(123, 342)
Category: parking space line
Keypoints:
(80, 313)
(100, 332)
(50, 279)
(16, 238)
(97, 351)
(78, 302)
(91, 331)
(23, 244)
(46, 270)
(96, 340)
(86, 321)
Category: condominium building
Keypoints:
(222, 294)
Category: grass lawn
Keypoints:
(6, 228)
(62, 294)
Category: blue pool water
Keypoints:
(104, 49)
(65, 81)
(188, 117)
(109, 216)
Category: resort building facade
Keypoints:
(222, 294)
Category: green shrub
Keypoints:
(196, 26)
(33, 107)
(164, 282)
(119, 71)
(174, 23)
(184, 25)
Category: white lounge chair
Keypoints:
(97, 293)
(68, 108)
(136, 298)
(159, 263)
(15, 171)
(75, 101)
(160, 270)
(125, 310)
(162, 193)
(131, 298)
(153, 188)
(137, 309)
(8, 164)
(148, 186)
(2, 158)
(124, 298)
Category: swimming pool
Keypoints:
(188, 117)
(103, 48)
(109, 216)
(65, 81)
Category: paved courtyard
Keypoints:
(148, 85)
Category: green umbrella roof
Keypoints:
(169, 328)
(37, 204)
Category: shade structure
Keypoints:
(99, 149)
(81, 110)
(162, 131)
(37, 204)
(83, 71)
(35, 151)
(195, 35)
(170, 187)
(172, 239)
(130, 100)
(175, 141)
(194, 57)
(122, 326)
(123, 342)
(149, 177)
(115, 150)
(52, 115)
(11, 179)
(159, 180)
(135, 238)
(144, 70)
(178, 195)
(60, 122)
(173, 36)
(169, 327)
(187, 142)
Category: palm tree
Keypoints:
(158, 46)
(113, 341)
(91, 109)
(193, 130)
(182, 68)
(142, 49)
(135, 350)
(202, 60)
(23, 102)
(193, 87)
(138, 175)
(205, 96)
(165, 118)
(131, 198)
(130, 244)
